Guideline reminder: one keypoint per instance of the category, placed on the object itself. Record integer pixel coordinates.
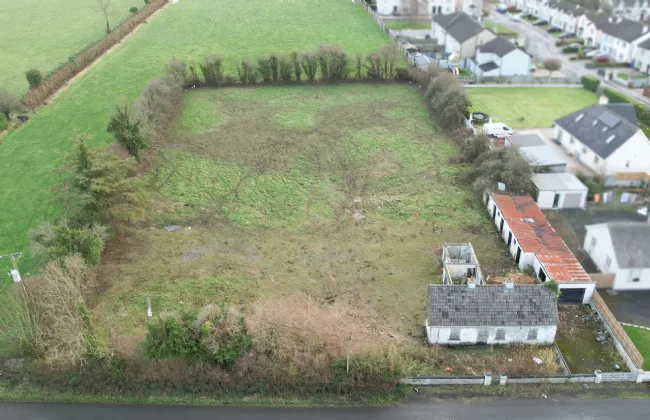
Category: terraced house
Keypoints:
(621, 38)
(460, 34)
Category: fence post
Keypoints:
(487, 378)
(639, 376)
(502, 379)
(599, 376)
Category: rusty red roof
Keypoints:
(536, 235)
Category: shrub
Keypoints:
(133, 10)
(615, 97)
(55, 242)
(569, 50)
(160, 100)
(216, 336)
(502, 165)
(590, 83)
(107, 186)
(451, 107)
(247, 72)
(192, 75)
(126, 131)
(147, 1)
(264, 68)
(402, 74)
(552, 64)
(333, 63)
(309, 63)
(382, 65)
(34, 77)
(297, 69)
(473, 147)
(212, 71)
(8, 103)
(171, 338)
(642, 114)
(3, 123)
(285, 69)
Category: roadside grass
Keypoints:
(43, 35)
(502, 30)
(398, 24)
(333, 201)
(529, 107)
(188, 30)
(641, 339)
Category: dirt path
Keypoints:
(101, 57)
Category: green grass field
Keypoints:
(641, 339)
(43, 34)
(529, 107)
(188, 30)
(342, 193)
(502, 30)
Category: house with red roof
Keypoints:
(534, 244)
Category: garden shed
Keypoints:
(561, 190)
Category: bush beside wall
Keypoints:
(590, 83)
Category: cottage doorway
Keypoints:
(518, 257)
(509, 239)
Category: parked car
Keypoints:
(601, 59)
(541, 23)
(515, 18)
(497, 129)
(591, 53)
(567, 35)
(553, 30)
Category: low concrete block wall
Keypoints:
(445, 380)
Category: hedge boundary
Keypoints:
(59, 77)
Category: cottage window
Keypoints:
(454, 335)
(635, 280)
(595, 159)
(584, 150)
(532, 334)
(608, 263)
(500, 335)
(571, 140)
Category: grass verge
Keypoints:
(641, 339)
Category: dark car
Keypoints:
(567, 36)
(601, 59)
(541, 23)
(553, 30)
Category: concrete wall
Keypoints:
(469, 335)
(545, 198)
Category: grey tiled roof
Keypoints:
(499, 46)
(625, 29)
(631, 242)
(459, 25)
(491, 305)
(598, 124)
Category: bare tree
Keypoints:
(552, 64)
(105, 8)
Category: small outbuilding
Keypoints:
(561, 190)
(538, 154)
(491, 314)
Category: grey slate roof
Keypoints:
(625, 29)
(499, 46)
(491, 305)
(526, 140)
(459, 25)
(598, 124)
(489, 66)
(631, 242)
(645, 44)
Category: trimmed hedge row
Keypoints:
(642, 111)
(35, 96)
(590, 83)
(567, 50)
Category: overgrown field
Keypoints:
(534, 107)
(44, 34)
(310, 209)
(189, 30)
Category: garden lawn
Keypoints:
(44, 34)
(502, 30)
(641, 339)
(534, 107)
(343, 194)
(188, 30)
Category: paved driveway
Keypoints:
(547, 134)
(632, 307)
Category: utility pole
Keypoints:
(347, 367)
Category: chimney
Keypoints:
(603, 100)
(509, 284)
(610, 20)
(471, 283)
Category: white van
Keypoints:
(497, 129)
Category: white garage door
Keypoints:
(572, 200)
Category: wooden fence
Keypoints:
(617, 330)
(633, 176)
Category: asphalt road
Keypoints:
(536, 409)
(541, 45)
